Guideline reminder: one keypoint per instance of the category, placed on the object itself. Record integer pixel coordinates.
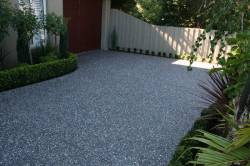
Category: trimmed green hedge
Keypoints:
(28, 74)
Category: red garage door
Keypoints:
(85, 18)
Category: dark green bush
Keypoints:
(28, 74)
(48, 58)
(63, 46)
(176, 56)
(44, 51)
(135, 50)
(114, 39)
(159, 54)
(170, 55)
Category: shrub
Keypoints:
(176, 56)
(147, 52)
(135, 50)
(180, 158)
(28, 74)
(159, 54)
(129, 50)
(3, 55)
(42, 51)
(164, 54)
(48, 58)
(55, 25)
(63, 46)
(141, 51)
(170, 55)
(153, 53)
(114, 38)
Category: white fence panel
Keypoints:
(135, 33)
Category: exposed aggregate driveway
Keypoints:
(117, 109)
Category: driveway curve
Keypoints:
(117, 109)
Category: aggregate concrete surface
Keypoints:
(117, 109)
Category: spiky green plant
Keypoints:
(217, 154)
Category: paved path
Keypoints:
(117, 109)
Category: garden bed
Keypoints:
(184, 153)
(28, 74)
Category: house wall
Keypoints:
(9, 44)
(106, 9)
(55, 6)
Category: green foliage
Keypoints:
(242, 137)
(159, 54)
(237, 65)
(28, 74)
(26, 25)
(227, 17)
(215, 98)
(151, 10)
(5, 18)
(48, 58)
(114, 39)
(229, 151)
(42, 51)
(244, 103)
(182, 156)
(63, 46)
(55, 25)
(3, 55)
(217, 151)
(165, 12)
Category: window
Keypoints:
(39, 7)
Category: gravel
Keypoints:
(117, 109)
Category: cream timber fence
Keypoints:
(135, 34)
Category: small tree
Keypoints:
(5, 18)
(63, 46)
(55, 25)
(231, 20)
(5, 21)
(26, 25)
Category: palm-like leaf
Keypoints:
(214, 92)
(215, 98)
(242, 137)
(216, 154)
(244, 104)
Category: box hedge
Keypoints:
(28, 74)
